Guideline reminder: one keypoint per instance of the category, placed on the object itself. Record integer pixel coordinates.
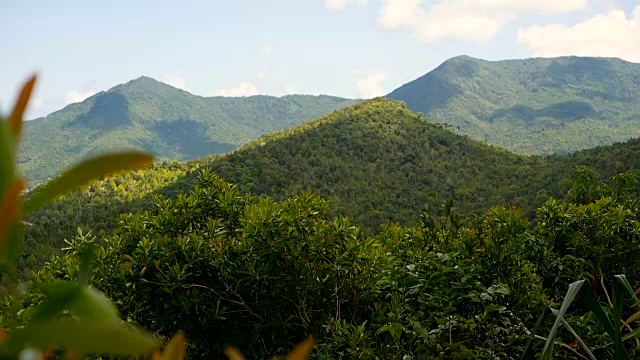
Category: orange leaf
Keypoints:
(10, 208)
(233, 353)
(15, 120)
(3, 335)
(175, 349)
(302, 350)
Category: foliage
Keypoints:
(532, 106)
(73, 316)
(375, 162)
(224, 266)
(231, 268)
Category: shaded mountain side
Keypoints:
(532, 106)
(170, 123)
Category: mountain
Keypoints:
(227, 268)
(375, 161)
(169, 122)
(532, 106)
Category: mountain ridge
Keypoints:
(153, 116)
(532, 106)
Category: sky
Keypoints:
(348, 48)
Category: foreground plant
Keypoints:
(612, 324)
(74, 318)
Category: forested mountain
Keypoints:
(168, 122)
(375, 162)
(532, 106)
(181, 249)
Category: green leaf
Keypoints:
(632, 335)
(83, 174)
(92, 304)
(619, 290)
(84, 302)
(87, 257)
(626, 286)
(575, 334)
(499, 308)
(592, 303)
(59, 295)
(572, 292)
(528, 349)
(84, 337)
(631, 319)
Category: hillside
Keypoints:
(376, 162)
(532, 106)
(168, 122)
(196, 255)
(379, 162)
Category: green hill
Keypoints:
(532, 106)
(231, 268)
(169, 122)
(376, 162)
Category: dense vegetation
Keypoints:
(375, 162)
(181, 249)
(532, 106)
(155, 117)
(237, 269)
(378, 162)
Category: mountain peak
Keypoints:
(541, 102)
(144, 83)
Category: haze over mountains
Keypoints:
(533, 106)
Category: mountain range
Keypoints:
(538, 106)
(168, 122)
(492, 245)
(376, 162)
(533, 106)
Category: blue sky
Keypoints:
(349, 48)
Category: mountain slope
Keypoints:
(380, 162)
(375, 161)
(171, 123)
(532, 106)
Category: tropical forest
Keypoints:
(486, 209)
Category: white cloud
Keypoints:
(608, 35)
(244, 89)
(450, 20)
(472, 20)
(175, 80)
(534, 6)
(396, 14)
(75, 96)
(337, 5)
(370, 85)
(267, 49)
